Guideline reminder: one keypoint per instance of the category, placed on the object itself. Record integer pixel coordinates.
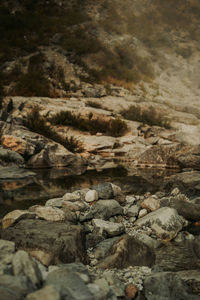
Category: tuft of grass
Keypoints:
(114, 127)
(148, 116)
(36, 123)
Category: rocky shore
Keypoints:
(99, 243)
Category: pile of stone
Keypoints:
(98, 243)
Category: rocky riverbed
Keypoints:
(100, 243)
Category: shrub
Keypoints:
(37, 123)
(148, 116)
(113, 127)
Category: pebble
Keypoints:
(143, 212)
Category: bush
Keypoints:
(113, 127)
(36, 123)
(148, 116)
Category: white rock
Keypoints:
(71, 197)
(112, 229)
(91, 196)
(143, 212)
(116, 190)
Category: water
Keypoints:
(51, 183)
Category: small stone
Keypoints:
(130, 199)
(48, 292)
(56, 202)
(130, 291)
(91, 196)
(72, 197)
(116, 190)
(143, 212)
(175, 192)
(151, 204)
(132, 211)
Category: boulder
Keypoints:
(105, 190)
(128, 251)
(15, 216)
(166, 286)
(103, 248)
(187, 209)
(48, 213)
(48, 292)
(104, 209)
(112, 229)
(49, 242)
(165, 222)
(8, 156)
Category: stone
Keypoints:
(49, 242)
(165, 222)
(147, 240)
(116, 190)
(91, 196)
(14, 143)
(97, 292)
(24, 265)
(104, 247)
(48, 292)
(9, 294)
(74, 206)
(151, 204)
(132, 211)
(15, 216)
(81, 193)
(8, 156)
(130, 200)
(71, 197)
(69, 284)
(105, 190)
(104, 209)
(191, 278)
(117, 286)
(112, 229)
(6, 247)
(48, 213)
(55, 202)
(128, 251)
(143, 212)
(7, 250)
(166, 286)
(20, 285)
(187, 209)
(15, 173)
(130, 291)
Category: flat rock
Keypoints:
(71, 197)
(15, 173)
(49, 242)
(112, 229)
(15, 216)
(165, 222)
(48, 213)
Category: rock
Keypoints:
(151, 204)
(196, 246)
(14, 143)
(49, 242)
(112, 229)
(48, 213)
(15, 216)
(6, 247)
(91, 196)
(8, 294)
(132, 211)
(143, 212)
(48, 292)
(104, 247)
(130, 200)
(8, 156)
(20, 285)
(81, 193)
(187, 209)
(115, 283)
(104, 209)
(149, 241)
(97, 292)
(69, 284)
(56, 202)
(130, 291)
(191, 279)
(190, 159)
(116, 190)
(165, 222)
(73, 206)
(128, 251)
(105, 190)
(7, 250)
(166, 286)
(71, 197)
(24, 265)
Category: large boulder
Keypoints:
(49, 242)
(165, 222)
(185, 208)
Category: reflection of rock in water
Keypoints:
(177, 257)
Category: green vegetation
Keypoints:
(114, 127)
(147, 116)
(36, 123)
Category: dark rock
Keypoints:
(105, 190)
(104, 209)
(69, 284)
(191, 159)
(21, 286)
(192, 279)
(104, 247)
(128, 251)
(8, 156)
(187, 209)
(49, 242)
(166, 286)
(15, 173)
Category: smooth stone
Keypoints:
(15, 216)
(143, 212)
(71, 197)
(91, 196)
(55, 202)
(112, 229)
(73, 206)
(116, 190)
(48, 213)
(104, 209)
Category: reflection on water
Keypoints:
(50, 183)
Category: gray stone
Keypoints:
(56, 202)
(165, 222)
(49, 242)
(132, 211)
(104, 209)
(166, 286)
(48, 292)
(24, 265)
(69, 284)
(112, 229)
(9, 294)
(185, 208)
(104, 247)
(104, 190)
(48, 213)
